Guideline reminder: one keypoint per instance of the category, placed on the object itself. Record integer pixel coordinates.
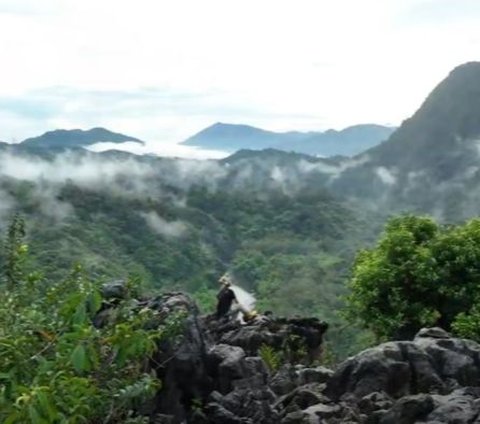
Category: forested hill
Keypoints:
(430, 164)
(181, 224)
(68, 139)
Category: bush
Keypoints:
(55, 366)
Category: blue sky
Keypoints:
(163, 69)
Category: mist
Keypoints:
(170, 229)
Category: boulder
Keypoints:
(433, 362)
(433, 379)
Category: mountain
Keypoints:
(232, 137)
(447, 124)
(432, 162)
(76, 138)
(285, 224)
(347, 142)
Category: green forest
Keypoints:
(59, 364)
(292, 251)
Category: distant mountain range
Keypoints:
(430, 164)
(76, 138)
(271, 216)
(228, 138)
(347, 142)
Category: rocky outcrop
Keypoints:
(215, 373)
(432, 379)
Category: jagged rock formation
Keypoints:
(215, 374)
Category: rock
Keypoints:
(251, 338)
(305, 398)
(243, 406)
(409, 410)
(284, 380)
(435, 333)
(301, 398)
(277, 333)
(376, 401)
(225, 364)
(460, 407)
(322, 412)
(314, 375)
(396, 368)
(370, 371)
(453, 359)
(253, 404)
(114, 290)
(296, 417)
(181, 363)
(217, 414)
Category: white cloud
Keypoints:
(126, 176)
(163, 227)
(160, 149)
(333, 169)
(86, 170)
(386, 175)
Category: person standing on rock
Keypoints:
(225, 297)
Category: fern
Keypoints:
(270, 357)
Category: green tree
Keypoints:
(15, 251)
(56, 367)
(419, 274)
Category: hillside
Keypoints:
(430, 164)
(446, 125)
(61, 139)
(180, 224)
(347, 142)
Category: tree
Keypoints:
(419, 274)
(15, 251)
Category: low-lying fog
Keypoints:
(160, 149)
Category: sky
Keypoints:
(162, 70)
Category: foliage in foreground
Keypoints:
(419, 274)
(55, 366)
